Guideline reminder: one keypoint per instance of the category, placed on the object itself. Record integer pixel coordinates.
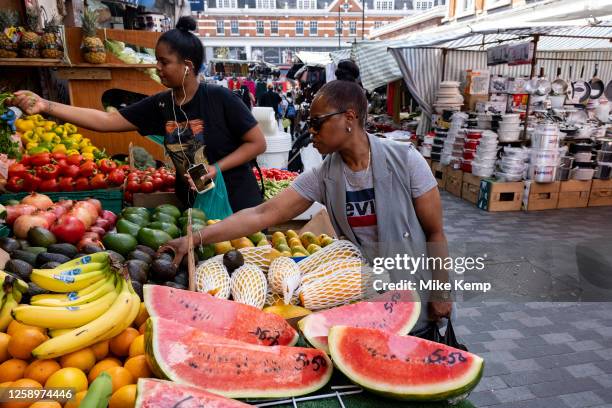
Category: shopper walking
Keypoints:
(270, 99)
(380, 194)
(201, 123)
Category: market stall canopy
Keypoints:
(340, 55)
(310, 58)
(376, 66)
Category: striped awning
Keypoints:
(377, 67)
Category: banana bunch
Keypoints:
(74, 275)
(11, 291)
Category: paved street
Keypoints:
(551, 346)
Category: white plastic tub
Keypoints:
(277, 151)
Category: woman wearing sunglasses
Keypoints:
(380, 194)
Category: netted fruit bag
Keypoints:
(274, 299)
(249, 286)
(330, 268)
(282, 269)
(338, 250)
(258, 256)
(212, 278)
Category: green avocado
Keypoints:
(169, 209)
(36, 250)
(128, 227)
(41, 237)
(143, 212)
(194, 227)
(137, 219)
(196, 213)
(205, 252)
(163, 217)
(120, 242)
(171, 229)
(153, 238)
(65, 249)
(25, 256)
(183, 221)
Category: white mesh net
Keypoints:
(212, 277)
(249, 286)
(330, 268)
(258, 256)
(273, 299)
(281, 269)
(341, 249)
(347, 283)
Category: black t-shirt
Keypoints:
(217, 119)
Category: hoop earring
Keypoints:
(349, 130)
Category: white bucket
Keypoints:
(277, 151)
(266, 119)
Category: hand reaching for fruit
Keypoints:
(29, 102)
(178, 246)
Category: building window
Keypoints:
(306, 4)
(260, 27)
(377, 24)
(228, 3)
(274, 27)
(467, 6)
(314, 27)
(266, 4)
(338, 27)
(220, 27)
(299, 28)
(383, 5)
(234, 27)
(352, 28)
(424, 4)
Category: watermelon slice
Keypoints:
(403, 367)
(232, 368)
(396, 312)
(164, 394)
(224, 318)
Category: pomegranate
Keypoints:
(40, 201)
(110, 216)
(15, 211)
(58, 209)
(68, 229)
(97, 230)
(67, 204)
(96, 203)
(50, 216)
(23, 224)
(104, 224)
(83, 214)
(89, 241)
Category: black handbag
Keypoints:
(432, 333)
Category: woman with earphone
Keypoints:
(201, 123)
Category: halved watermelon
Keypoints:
(232, 368)
(165, 394)
(403, 367)
(218, 316)
(396, 312)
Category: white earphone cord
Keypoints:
(178, 127)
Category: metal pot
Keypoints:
(581, 90)
(559, 86)
(597, 85)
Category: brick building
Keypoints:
(273, 30)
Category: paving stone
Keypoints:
(483, 399)
(513, 394)
(541, 351)
(564, 387)
(508, 324)
(491, 384)
(475, 337)
(604, 331)
(605, 366)
(552, 402)
(605, 394)
(461, 330)
(500, 345)
(531, 341)
(536, 321)
(585, 345)
(565, 360)
(605, 354)
(468, 312)
(605, 380)
(584, 370)
(557, 338)
(582, 399)
(514, 315)
(516, 379)
(522, 365)
(492, 368)
(506, 334)
(497, 356)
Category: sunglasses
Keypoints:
(316, 122)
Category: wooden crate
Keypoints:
(439, 172)
(574, 193)
(470, 187)
(454, 181)
(541, 196)
(500, 196)
(601, 193)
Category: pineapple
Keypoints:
(50, 42)
(8, 23)
(93, 48)
(30, 41)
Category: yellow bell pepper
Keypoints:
(38, 120)
(49, 125)
(72, 151)
(39, 130)
(24, 125)
(59, 130)
(29, 137)
(88, 156)
(88, 149)
(31, 145)
(70, 128)
(60, 148)
(75, 137)
(48, 136)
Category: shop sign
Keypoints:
(511, 54)
(197, 5)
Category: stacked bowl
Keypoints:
(427, 145)
(512, 165)
(448, 97)
(604, 161)
(583, 159)
(452, 151)
(509, 128)
(483, 164)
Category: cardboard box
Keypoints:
(601, 193)
(439, 172)
(470, 187)
(498, 196)
(152, 200)
(470, 101)
(454, 181)
(574, 193)
(541, 196)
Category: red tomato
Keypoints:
(88, 169)
(81, 184)
(66, 184)
(30, 182)
(158, 183)
(107, 165)
(169, 180)
(49, 185)
(127, 196)
(116, 177)
(132, 186)
(125, 168)
(147, 187)
(98, 182)
(25, 160)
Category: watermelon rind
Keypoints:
(289, 335)
(456, 389)
(163, 371)
(307, 324)
(147, 386)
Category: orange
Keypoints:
(124, 397)
(4, 341)
(120, 376)
(138, 367)
(102, 366)
(100, 350)
(120, 344)
(83, 359)
(12, 370)
(69, 377)
(142, 328)
(24, 341)
(76, 401)
(46, 404)
(137, 347)
(15, 325)
(23, 383)
(41, 370)
(143, 315)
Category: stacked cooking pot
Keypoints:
(485, 156)
(452, 152)
(509, 128)
(512, 166)
(449, 97)
(427, 144)
(583, 160)
(604, 160)
(438, 143)
(545, 156)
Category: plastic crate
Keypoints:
(4, 231)
(111, 200)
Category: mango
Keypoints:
(292, 234)
(223, 247)
(293, 242)
(242, 243)
(257, 237)
(308, 238)
(312, 248)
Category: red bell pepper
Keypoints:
(48, 172)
